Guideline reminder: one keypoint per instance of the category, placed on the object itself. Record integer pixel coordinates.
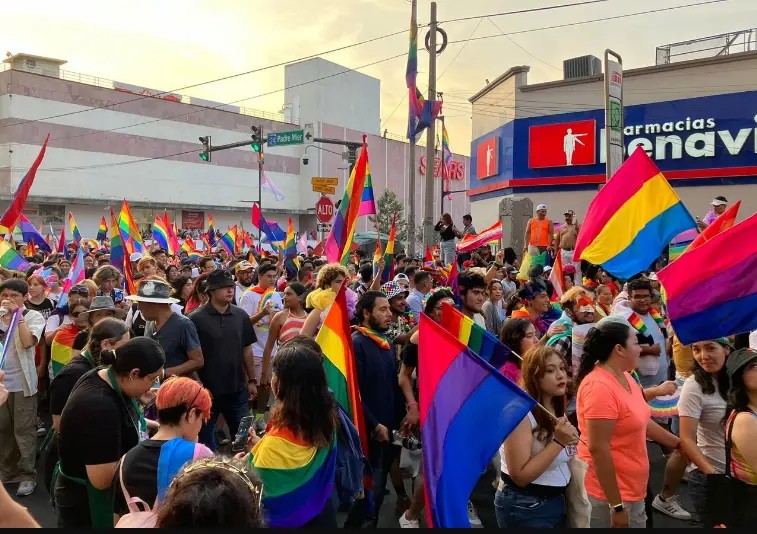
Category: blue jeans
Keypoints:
(515, 508)
(698, 494)
(233, 406)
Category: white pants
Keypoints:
(447, 249)
(567, 259)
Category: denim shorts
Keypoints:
(515, 508)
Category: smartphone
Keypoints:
(240, 440)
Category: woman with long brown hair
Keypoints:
(535, 455)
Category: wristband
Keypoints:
(560, 444)
(409, 404)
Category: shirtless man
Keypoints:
(566, 241)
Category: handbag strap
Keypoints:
(125, 492)
(729, 442)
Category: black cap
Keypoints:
(536, 271)
(738, 360)
(219, 279)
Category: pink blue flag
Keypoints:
(75, 276)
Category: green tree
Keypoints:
(386, 206)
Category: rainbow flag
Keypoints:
(474, 336)
(367, 202)
(725, 221)
(388, 273)
(411, 74)
(377, 255)
(31, 235)
(117, 252)
(472, 242)
(290, 251)
(12, 214)
(10, 259)
(447, 156)
(102, 231)
(429, 261)
(195, 255)
(129, 285)
(211, 231)
(667, 405)
(632, 219)
(557, 278)
(75, 234)
(711, 290)
(62, 347)
(229, 240)
(297, 478)
(335, 340)
(173, 240)
(129, 228)
(465, 405)
(75, 276)
(160, 233)
(188, 245)
(339, 241)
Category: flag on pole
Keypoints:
(75, 234)
(211, 231)
(129, 229)
(447, 157)
(429, 261)
(465, 405)
(266, 183)
(173, 240)
(377, 255)
(10, 217)
(557, 278)
(229, 240)
(632, 219)
(31, 235)
(725, 221)
(472, 242)
(102, 231)
(339, 240)
(388, 273)
(302, 244)
(10, 259)
(259, 222)
(367, 202)
(75, 276)
(160, 233)
(290, 251)
(117, 250)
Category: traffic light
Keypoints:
(257, 139)
(206, 148)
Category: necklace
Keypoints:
(621, 379)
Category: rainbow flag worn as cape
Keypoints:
(632, 219)
(297, 478)
(62, 347)
(339, 241)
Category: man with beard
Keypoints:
(402, 325)
(379, 392)
(243, 272)
(578, 309)
(472, 296)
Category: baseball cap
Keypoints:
(243, 266)
(547, 269)
(541, 207)
(535, 271)
(719, 201)
(135, 256)
(569, 269)
(738, 360)
(569, 212)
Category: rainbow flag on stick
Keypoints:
(10, 259)
(12, 214)
(229, 240)
(75, 234)
(632, 219)
(377, 255)
(117, 251)
(31, 235)
(335, 340)
(129, 229)
(339, 241)
(472, 242)
(388, 273)
(475, 337)
(102, 231)
(711, 290)
(290, 251)
(465, 405)
(173, 240)
(160, 233)
(367, 202)
(75, 276)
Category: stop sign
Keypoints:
(324, 210)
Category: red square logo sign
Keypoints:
(562, 145)
(488, 158)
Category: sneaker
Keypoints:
(671, 507)
(475, 522)
(41, 430)
(409, 523)
(12, 480)
(25, 488)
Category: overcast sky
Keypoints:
(167, 44)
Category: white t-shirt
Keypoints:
(557, 474)
(53, 322)
(709, 410)
(656, 366)
(20, 368)
(250, 303)
(479, 320)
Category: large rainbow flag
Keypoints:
(340, 238)
(10, 259)
(297, 478)
(465, 405)
(472, 242)
(335, 340)
(474, 336)
(632, 219)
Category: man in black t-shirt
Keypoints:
(226, 337)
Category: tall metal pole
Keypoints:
(428, 215)
(260, 183)
(444, 172)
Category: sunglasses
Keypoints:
(79, 290)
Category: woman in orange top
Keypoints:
(614, 420)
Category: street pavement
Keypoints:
(39, 502)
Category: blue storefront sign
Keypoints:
(693, 141)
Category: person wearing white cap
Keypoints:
(719, 205)
(134, 259)
(566, 242)
(539, 231)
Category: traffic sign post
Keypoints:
(328, 190)
(324, 210)
(333, 182)
(308, 134)
(296, 137)
(323, 228)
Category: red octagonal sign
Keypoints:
(324, 210)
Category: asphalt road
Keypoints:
(39, 502)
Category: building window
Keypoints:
(52, 214)
(30, 64)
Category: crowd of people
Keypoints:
(201, 399)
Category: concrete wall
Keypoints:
(342, 97)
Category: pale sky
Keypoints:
(167, 44)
